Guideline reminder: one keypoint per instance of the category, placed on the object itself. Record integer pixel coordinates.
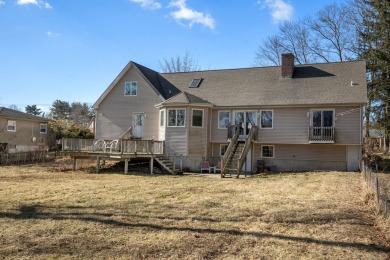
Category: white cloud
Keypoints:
(148, 4)
(53, 34)
(39, 3)
(279, 9)
(190, 15)
(2, 2)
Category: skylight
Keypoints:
(195, 83)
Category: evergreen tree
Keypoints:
(33, 110)
(375, 44)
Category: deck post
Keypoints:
(174, 164)
(97, 164)
(181, 162)
(151, 165)
(126, 166)
(74, 163)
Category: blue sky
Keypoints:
(72, 50)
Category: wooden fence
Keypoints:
(26, 157)
(379, 188)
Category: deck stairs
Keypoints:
(236, 153)
(168, 164)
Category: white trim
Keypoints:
(273, 151)
(40, 128)
(219, 111)
(159, 118)
(13, 125)
(322, 110)
(185, 117)
(272, 127)
(124, 89)
(192, 117)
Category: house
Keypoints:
(291, 117)
(21, 132)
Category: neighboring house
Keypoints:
(308, 117)
(20, 132)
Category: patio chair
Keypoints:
(205, 166)
(218, 167)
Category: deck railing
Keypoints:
(321, 134)
(124, 146)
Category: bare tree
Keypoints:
(14, 107)
(269, 52)
(333, 33)
(179, 63)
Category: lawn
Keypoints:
(51, 214)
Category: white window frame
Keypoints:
(192, 118)
(185, 117)
(136, 91)
(273, 151)
(162, 114)
(265, 110)
(13, 124)
(220, 149)
(40, 128)
(229, 118)
(322, 110)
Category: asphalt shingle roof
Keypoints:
(14, 114)
(326, 83)
(185, 98)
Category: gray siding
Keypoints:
(114, 115)
(22, 138)
(290, 125)
(197, 136)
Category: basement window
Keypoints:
(195, 83)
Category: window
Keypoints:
(11, 126)
(222, 149)
(195, 83)
(223, 119)
(266, 119)
(322, 118)
(162, 118)
(197, 117)
(267, 151)
(176, 117)
(43, 128)
(131, 88)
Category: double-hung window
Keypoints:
(267, 151)
(176, 117)
(223, 119)
(267, 118)
(131, 88)
(197, 117)
(11, 126)
(43, 128)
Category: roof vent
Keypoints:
(195, 83)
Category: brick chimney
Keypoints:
(287, 65)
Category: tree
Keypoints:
(179, 64)
(14, 107)
(80, 113)
(328, 36)
(375, 46)
(33, 110)
(60, 109)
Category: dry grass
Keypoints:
(46, 214)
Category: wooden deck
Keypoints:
(121, 150)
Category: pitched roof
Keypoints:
(185, 98)
(326, 83)
(159, 83)
(14, 114)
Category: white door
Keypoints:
(138, 124)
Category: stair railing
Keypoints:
(229, 150)
(245, 150)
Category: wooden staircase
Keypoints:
(237, 152)
(168, 164)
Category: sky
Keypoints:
(72, 50)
